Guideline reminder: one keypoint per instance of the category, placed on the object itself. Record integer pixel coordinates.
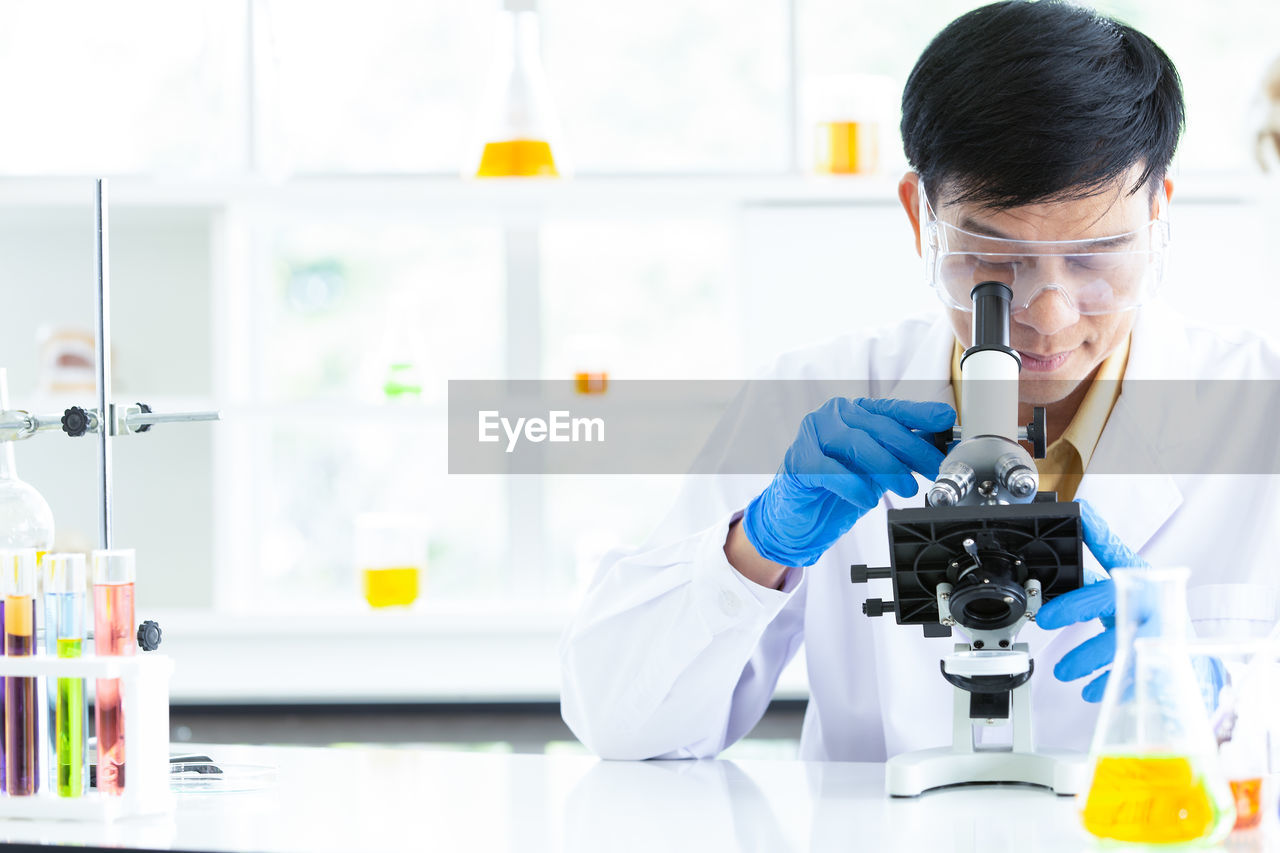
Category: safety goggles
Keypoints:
(1098, 275)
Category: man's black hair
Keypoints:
(1021, 102)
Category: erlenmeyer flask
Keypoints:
(25, 518)
(519, 131)
(1154, 761)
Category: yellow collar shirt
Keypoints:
(1062, 469)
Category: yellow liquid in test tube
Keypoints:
(391, 587)
(517, 158)
(1150, 799)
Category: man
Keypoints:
(1040, 135)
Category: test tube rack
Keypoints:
(144, 677)
(144, 692)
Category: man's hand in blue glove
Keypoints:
(1093, 601)
(847, 454)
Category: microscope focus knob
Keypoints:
(942, 440)
(1037, 433)
(75, 421)
(149, 636)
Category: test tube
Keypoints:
(64, 602)
(9, 559)
(20, 708)
(114, 571)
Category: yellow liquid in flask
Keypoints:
(1151, 799)
(391, 587)
(517, 158)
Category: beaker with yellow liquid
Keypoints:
(391, 556)
(1155, 772)
(846, 114)
(519, 135)
(847, 148)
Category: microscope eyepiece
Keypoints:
(991, 315)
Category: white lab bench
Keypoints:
(359, 798)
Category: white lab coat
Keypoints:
(674, 654)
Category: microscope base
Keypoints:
(912, 773)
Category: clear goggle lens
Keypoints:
(1098, 275)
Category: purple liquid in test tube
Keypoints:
(3, 561)
(20, 709)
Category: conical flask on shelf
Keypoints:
(519, 133)
(1155, 773)
(25, 518)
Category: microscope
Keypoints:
(981, 557)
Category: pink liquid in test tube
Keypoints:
(114, 572)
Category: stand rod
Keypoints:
(102, 318)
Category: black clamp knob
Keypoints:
(149, 636)
(859, 573)
(75, 421)
(1037, 433)
(876, 606)
(146, 410)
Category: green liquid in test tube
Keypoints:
(64, 603)
(114, 572)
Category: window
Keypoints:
(342, 303)
(385, 86)
(671, 86)
(647, 299)
(331, 310)
(138, 86)
(205, 90)
(314, 477)
(711, 91)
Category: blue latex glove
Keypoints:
(847, 454)
(1095, 600)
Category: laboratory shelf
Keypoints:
(586, 195)
(321, 414)
(631, 401)
(428, 194)
(39, 402)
